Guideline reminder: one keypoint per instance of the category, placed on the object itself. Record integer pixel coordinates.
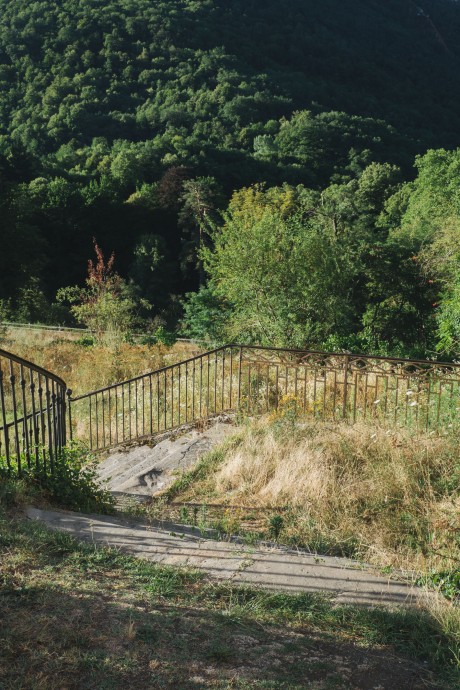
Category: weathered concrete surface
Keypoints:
(273, 569)
(144, 471)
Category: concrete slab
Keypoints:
(144, 471)
(274, 569)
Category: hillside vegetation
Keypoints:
(134, 123)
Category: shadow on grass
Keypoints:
(77, 617)
(87, 639)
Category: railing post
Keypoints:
(240, 366)
(69, 408)
(345, 386)
(4, 423)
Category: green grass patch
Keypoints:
(77, 616)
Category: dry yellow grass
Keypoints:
(388, 495)
(87, 368)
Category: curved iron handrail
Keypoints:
(31, 365)
(255, 379)
(33, 429)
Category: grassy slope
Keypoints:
(73, 616)
(384, 496)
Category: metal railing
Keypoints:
(256, 380)
(32, 416)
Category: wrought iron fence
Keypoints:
(258, 380)
(252, 380)
(32, 416)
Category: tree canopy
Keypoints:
(134, 123)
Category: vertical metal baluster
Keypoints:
(109, 412)
(96, 420)
(305, 389)
(164, 392)
(116, 414)
(186, 392)
(267, 389)
(334, 395)
(418, 404)
(439, 402)
(151, 404)
(24, 415)
(61, 419)
(365, 394)
(345, 387)
(208, 393)
(69, 409)
(193, 389)
(355, 395)
(215, 383)
(103, 419)
(230, 406)
(42, 420)
(428, 405)
(130, 410)
(15, 418)
(136, 412)
(315, 386)
(222, 407)
(408, 387)
(5, 427)
(385, 409)
(324, 393)
(54, 420)
(201, 386)
(143, 406)
(376, 396)
(172, 397)
(249, 388)
(257, 398)
(277, 377)
(396, 398)
(50, 428)
(178, 395)
(61, 416)
(34, 420)
(123, 414)
(451, 392)
(158, 402)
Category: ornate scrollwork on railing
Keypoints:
(257, 380)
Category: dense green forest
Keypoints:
(290, 165)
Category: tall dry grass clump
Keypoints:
(391, 496)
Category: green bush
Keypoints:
(73, 485)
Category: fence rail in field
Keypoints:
(256, 380)
(32, 415)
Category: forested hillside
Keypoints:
(133, 122)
